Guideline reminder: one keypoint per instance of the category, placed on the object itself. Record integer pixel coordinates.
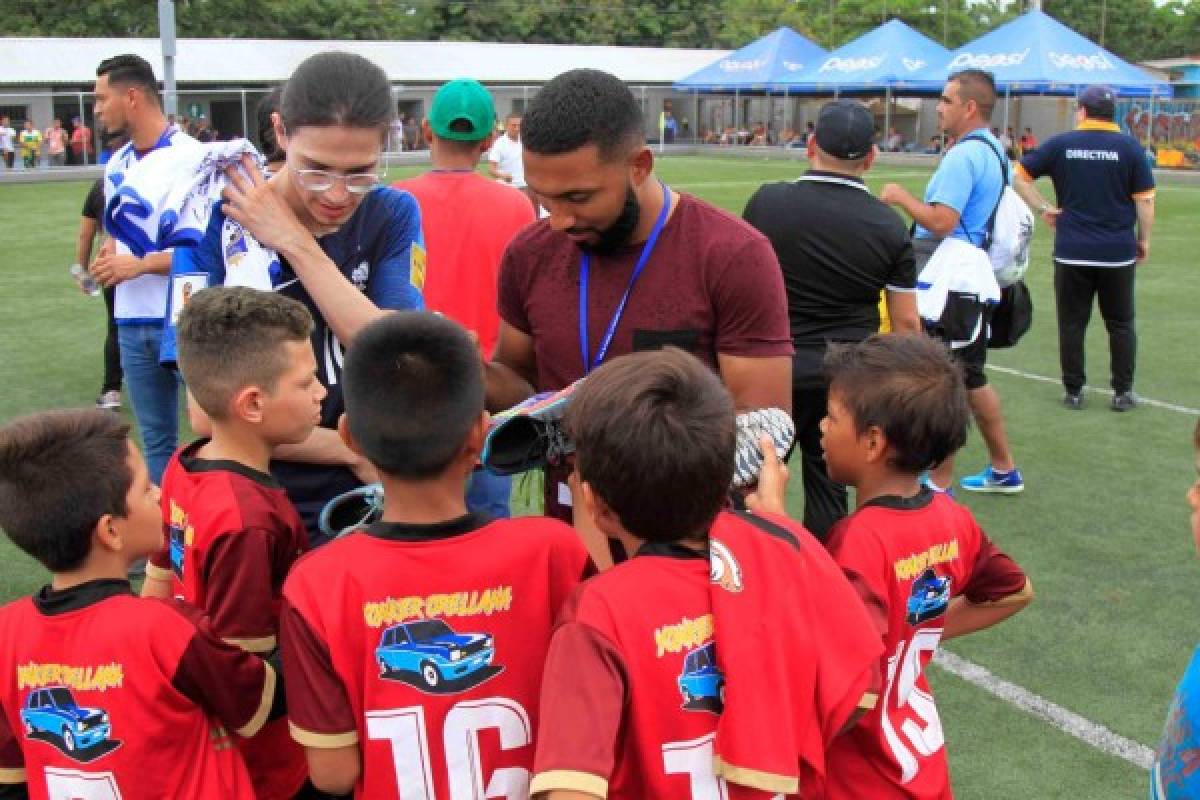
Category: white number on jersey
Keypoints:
(922, 729)
(406, 730)
(695, 759)
(71, 784)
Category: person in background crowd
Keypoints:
(56, 144)
(7, 136)
(1029, 142)
(82, 148)
(1102, 221)
(31, 145)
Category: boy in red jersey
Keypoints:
(413, 649)
(232, 534)
(897, 407)
(105, 695)
(665, 670)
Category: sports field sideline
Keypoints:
(1101, 528)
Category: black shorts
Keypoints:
(973, 357)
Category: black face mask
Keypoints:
(619, 233)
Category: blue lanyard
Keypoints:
(585, 268)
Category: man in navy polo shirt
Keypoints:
(1102, 222)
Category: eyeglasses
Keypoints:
(320, 180)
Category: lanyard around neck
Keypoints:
(585, 269)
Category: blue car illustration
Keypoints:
(54, 711)
(432, 651)
(929, 598)
(701, 680)
(175, 537)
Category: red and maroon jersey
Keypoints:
(912, 555)
(633, 690)
(106, 695)
(424, 645)
(232, 535)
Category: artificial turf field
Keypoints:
(1101, 528)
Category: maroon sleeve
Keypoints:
(236, 687)
(584, 693)
(319, 710)
(12, 761)
(510, 291)
(242, 600)
(994, 576)
(751, 304)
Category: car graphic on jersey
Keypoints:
(431, 651)
(175, 537)
(54, 711)
(701, 683)
(929, 598)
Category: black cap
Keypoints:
(1098, 101)
(845, 130)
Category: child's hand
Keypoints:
(770, 494)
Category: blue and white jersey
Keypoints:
(139, 301)
(969, 180)
(380, 249)
(1174, 775)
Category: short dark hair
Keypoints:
(60, 472)
(908, 386)
(232, 337)
(582, 107)
(337, 89)
(131, 70)
(654, 438)
(414, 389)
(977, 85)
(267, 143)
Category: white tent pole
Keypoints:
(887, 113)
(736, 114)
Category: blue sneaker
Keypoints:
(989, 480)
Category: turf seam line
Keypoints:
(1090, 733)
(1144, 401)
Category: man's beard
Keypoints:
(619, 233)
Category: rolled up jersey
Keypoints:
(165, 199)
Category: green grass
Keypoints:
(1101, 529)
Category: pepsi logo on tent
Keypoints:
(1089, 63)
(730, 65)
(986, 60)
(792, 66)
(912, 64)
(851, 64)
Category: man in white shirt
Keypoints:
(8, 135)
(504, 159)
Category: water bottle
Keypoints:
(85, 280)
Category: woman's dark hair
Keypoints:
(267, 144)
(337, 89)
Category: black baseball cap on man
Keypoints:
(845, 130)
(1098, 101)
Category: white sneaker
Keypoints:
(110, 400)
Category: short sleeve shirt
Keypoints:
(1173, 775)
(969, 180)
(910, 557)
(711, 286)
(104, 690)
(838, 247)
(507, 155)
(1097, 173)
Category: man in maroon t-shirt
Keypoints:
(645, 266)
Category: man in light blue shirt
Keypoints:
(958, 203)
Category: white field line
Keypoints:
(1145, 401)
(1088, 732)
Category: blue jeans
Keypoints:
(488, 494)
(154, 392)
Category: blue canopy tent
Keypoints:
(885, 58)
(758, 68)
(1037, 54)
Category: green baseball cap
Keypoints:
(467, 100)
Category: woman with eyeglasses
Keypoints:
(347, 247)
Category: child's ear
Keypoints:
(107, 534)
(247, 404)
(473, 445)
(598, 511)
(876, 444)
(343, 429)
